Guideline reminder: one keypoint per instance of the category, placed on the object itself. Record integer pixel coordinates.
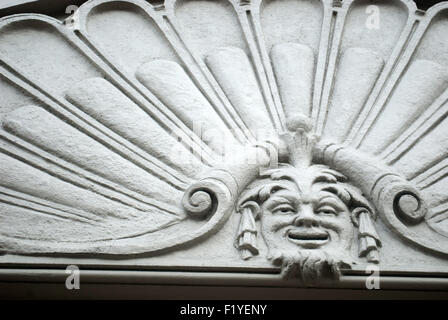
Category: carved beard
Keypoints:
(311, 266)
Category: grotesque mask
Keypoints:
(308, 215)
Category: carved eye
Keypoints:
(284, 209)
(327, 210)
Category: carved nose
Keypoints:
(306, 218)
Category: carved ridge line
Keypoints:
(122, 83)
(341, 63)
(27, 201)
(253, 16)
(166, 14)
(432, 174)
(379, 180)
(165, 20)
(133, 235)
(147, 101)
(220, 102)
(166, 116)
(325, 40)
(244, 17)
(417, 129)
(89, 126)
(439, 213)
(35, 207)
(397, 71)
(332, 50)
(77, 176)
(382, 82)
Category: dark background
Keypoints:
(57, 7)
(425, 4)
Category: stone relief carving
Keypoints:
(139, 128)
(308, 213)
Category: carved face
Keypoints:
(306, 220)
(310, 219)
(306, 223)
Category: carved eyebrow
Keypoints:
(337, 191)
(278, 200)
(330, 198)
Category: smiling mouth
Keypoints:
(308, 239)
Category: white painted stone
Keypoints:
(264, 135)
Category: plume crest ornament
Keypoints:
(145, 138)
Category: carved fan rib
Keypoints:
(94, 129)
(228, 64)
(52, 234)
(440, 213)
(49, 133)
(428, 120)
(155, 41)
(126, 50)
(177, 91)
(294, 70)
(21, 177)
(423, 81)
(432, 174)
(352, 29)
(251, 34)
(16, 41)
(12, 96)
(358, 69)
(93, 67)
(296, 22)
(276, 110)
(223, 29)
(106, 104)
(112, 143)
(327, 64)
(61, 169)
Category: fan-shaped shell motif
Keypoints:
(100, 114)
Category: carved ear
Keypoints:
(246, 239)
(399, 202)
(362, 216)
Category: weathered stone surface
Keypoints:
(307, 137)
